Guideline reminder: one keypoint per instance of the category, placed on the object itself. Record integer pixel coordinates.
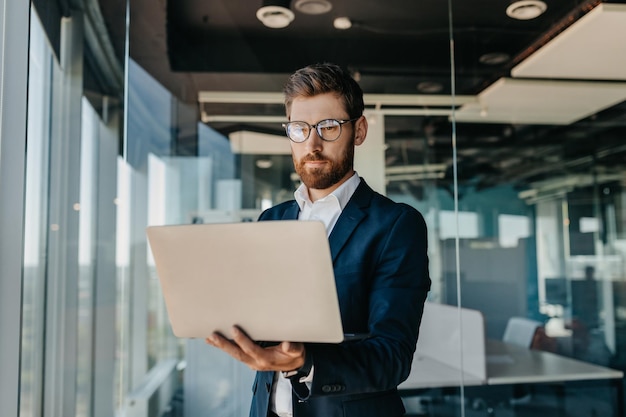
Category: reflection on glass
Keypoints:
(86, 257)
(35, 231)
(553, 251)
(549, 206)
(122, 260)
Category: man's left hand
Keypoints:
(285, 356)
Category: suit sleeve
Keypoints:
(394, 271)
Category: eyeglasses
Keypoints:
(327, 129)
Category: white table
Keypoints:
(508, 365)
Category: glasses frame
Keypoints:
(316, 128)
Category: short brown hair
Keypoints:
(324, 78)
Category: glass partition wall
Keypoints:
(69, 336)
(540, 241)
(526, 221)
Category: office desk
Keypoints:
(452, 351)
(509, 365)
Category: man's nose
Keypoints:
(315, 142)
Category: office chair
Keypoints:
(520, 331)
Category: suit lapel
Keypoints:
(350, 217)
(292, 212)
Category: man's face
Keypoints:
(320, 164)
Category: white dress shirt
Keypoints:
(326, 210)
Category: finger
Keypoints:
(219, 341)
(214, 338)
(245, 343)
(287, 347)
(292, 348)
(259, 358)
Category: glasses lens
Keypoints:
(298, 131)
(329, 129)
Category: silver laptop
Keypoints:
(274, 279)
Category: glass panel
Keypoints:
(153, 186)
(35, 229)
(86, 257)
(65, 371)
(541, 215)
(122, 260)
(526, 219)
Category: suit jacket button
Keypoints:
(327, 388)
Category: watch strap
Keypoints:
(296, 374)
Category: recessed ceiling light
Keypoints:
(264, 163)
(526, 9)
(313, 6)
(429, 87)
(342, 23)
(275, 16)
(494, 58)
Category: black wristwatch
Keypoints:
(301, 372)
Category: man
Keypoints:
(379, 251)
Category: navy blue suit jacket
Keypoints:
(379, 252)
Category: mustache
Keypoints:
(313, 157)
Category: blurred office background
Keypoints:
(507, 132)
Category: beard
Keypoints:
(329, 175)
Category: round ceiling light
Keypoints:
(342, 23)
(429, 87)
(526, 9)
(494, 58)
(264, 163)
(275, 17)
(313, 6)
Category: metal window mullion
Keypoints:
(62, 279)
(14, 37)
(105, 287)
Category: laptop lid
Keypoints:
(273, 278)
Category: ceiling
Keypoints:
(510, 123)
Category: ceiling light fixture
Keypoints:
(264, 163)
(313, 6)
(342, 23)
(494, 58)
(429, 87)
(275, 14)
(526, 9)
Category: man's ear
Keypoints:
(360, 131)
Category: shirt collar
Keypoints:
(342, 193)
